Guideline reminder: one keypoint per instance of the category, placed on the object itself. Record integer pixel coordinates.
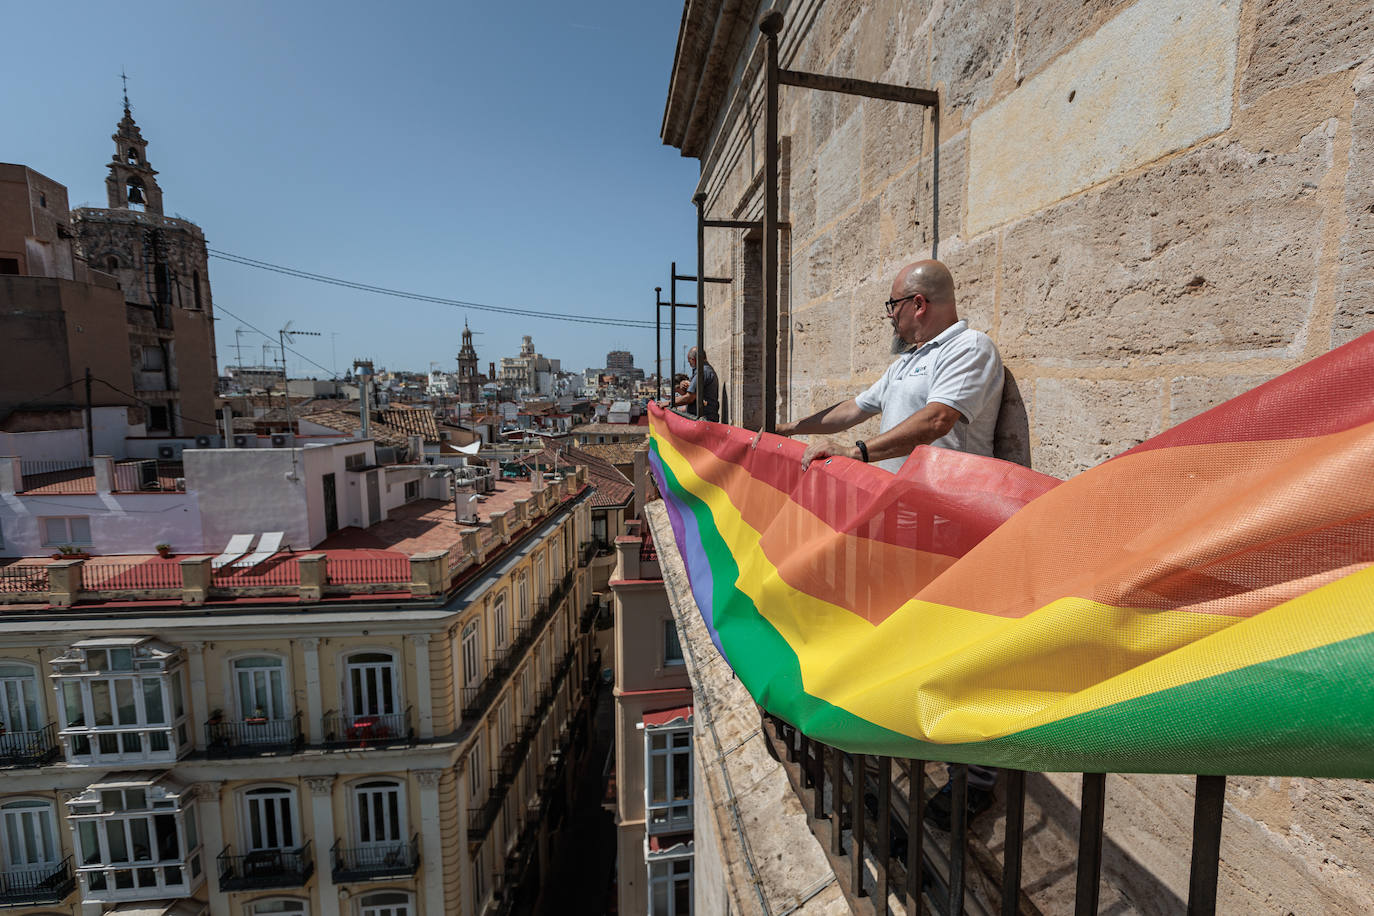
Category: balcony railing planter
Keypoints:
(34, 748)
(365, 731)
(263, 869)
(40, 885)
(252, 736)
(375, 862)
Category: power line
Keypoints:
(221, 308)
(140, 400)
(438, 300)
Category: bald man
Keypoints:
(944, 389)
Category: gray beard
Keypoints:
(898, 346)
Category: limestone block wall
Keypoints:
(1150, 206)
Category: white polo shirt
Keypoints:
(961, 368)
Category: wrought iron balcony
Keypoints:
(29, 748)
(375, 861)
(262, 869)
(372, 730)
(37, 885)
(253, 736)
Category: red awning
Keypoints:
(668, 716)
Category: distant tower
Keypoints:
(162, 267)
(469, 382)
(132, 184)
(527, 346)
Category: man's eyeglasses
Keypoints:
(891, 305)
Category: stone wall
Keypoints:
(1150, 206)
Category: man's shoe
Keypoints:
(939, 808)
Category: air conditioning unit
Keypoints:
(243, 441)
(281, 440)
(169, 452)
(202, 441)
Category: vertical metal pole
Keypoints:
(770, 25)
(1207, 812)
(700, 201)
(883, 853)
(90, 429)
(1011, 844)
(958, 836)
(858, 764)
(915, 836)
(1094, 810)
(836, 800)
(658, 343)
(672, 331)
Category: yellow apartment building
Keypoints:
(305, 749)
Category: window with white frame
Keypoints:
(28, 841)
(379, 820)
(269, 819)
(373, 685)
(503, 720)
(19, 708)
(475, 774)
(260, 687)
(136, 839)
(121, 701)
(61, 530)
(386, 903)
(522, 600)
(472, 654)
(479, 878)
(668, 779)
(500, 626)
(670, 886)
(672, 646)
(279, 906)
(541, 590)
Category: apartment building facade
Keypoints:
(655, 852)
(384, 755)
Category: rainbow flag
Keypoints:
(1202, 603)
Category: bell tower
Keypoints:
(131, 184)
(468, 386)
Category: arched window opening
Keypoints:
(132, 155)
(19, 706)
(270, 819)
(134, 193)
(29, 837)
(112, 263)
(279, 906)
(385, 903)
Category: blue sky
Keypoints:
(501, 153)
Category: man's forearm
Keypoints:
(833, 419)
(921, 428)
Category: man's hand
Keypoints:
(822, 448)
(784, 429)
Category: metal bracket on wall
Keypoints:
(770, 25)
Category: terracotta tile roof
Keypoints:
(614, 452)
(611, 429)
(347, 422)
(413, 421)
(612, 487)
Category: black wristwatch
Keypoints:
(863, 449)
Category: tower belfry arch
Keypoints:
(132, 182)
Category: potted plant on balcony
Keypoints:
(70, 552)
(164, 550)
(259, 717)
(216, 716)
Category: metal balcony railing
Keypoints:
(375, 861)
(368, 730)
(263, 869)
(43, 884)
(29, 748)
(253, 735)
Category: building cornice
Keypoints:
(709, 42)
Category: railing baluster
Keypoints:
(883, 852)
(1094, 809)
(836, 801)
(958, 836)
(818, 780)
(1207, 813)
(1011, 843)
(915, 836)
(856, 835)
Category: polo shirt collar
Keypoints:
(944, 336)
